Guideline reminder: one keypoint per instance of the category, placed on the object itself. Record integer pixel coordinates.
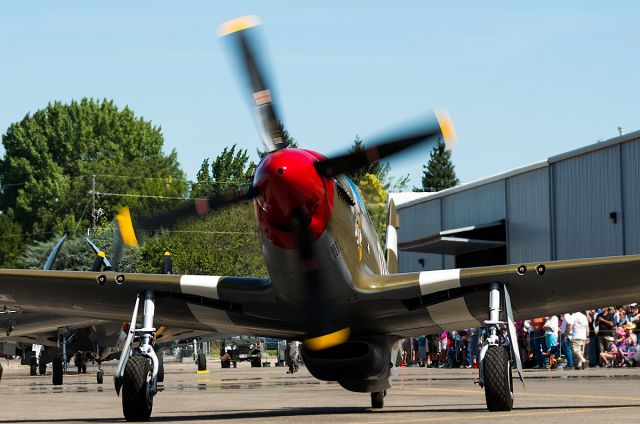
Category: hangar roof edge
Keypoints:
(537, 165)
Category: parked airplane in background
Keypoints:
(61, 338)
(329, 284)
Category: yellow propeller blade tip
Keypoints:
(126, 227)
(328, 340)
(238, 24)
(446, 127)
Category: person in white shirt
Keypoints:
(579, 337)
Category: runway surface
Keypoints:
(269, 395)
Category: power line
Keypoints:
(147, 196)
(27, 234)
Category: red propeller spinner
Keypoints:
(286, 181)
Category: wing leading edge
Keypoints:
(213, 303)
(455, 299)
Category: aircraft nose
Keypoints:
(288, 181)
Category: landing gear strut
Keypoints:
(137, 372)
(495, 356)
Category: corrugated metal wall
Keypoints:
(571, 221)
(478, 205)
(631, 196)
(529, 217)
(421, 220)
(587, 189)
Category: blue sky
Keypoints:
(522, 80)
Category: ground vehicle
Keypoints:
(241, 348)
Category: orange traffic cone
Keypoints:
(403, 363)
(475, 362)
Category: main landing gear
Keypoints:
(495, 356)
(137, 372)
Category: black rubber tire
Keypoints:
(137, 403)
(160, 367)
(202, 362)
(1, 372)
(33, 366)
(42, 367)
(498, 380)
(100, 377)
(377, 400)
(256, 363)
(56, 372)
(225, 364)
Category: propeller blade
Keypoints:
(100, 253)
(54, 253)
(324, 323)
(118, 244)
(200, 207)
(167, 263)
(241, 35)
(441, 126)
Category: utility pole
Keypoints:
(93, 202)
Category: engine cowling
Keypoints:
(358, 365)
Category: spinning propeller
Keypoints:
(291, 187)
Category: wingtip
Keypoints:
(446, 128)
(238, 24)
(126, 227)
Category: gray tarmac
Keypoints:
(269, 395)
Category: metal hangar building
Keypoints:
(583, 203)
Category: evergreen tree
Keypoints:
(438, 173)
(203, 186)
(290, 142)
(377, 168)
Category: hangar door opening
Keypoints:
(476, 245)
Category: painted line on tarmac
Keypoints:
(552, 395)
(495, 415)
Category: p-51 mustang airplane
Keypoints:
(329, 283)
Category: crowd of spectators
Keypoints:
(594, 338)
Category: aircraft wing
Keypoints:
(198, 302)
(431, 301)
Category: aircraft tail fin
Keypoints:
(393, 223)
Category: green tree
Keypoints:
(229, 170)
(374, 195)
(377, 168)
(76, 255)
(224, 242)
(439, 172)
(380, 169)
(51, 156)
(203, 186)
(290, 141)
(10, 240)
